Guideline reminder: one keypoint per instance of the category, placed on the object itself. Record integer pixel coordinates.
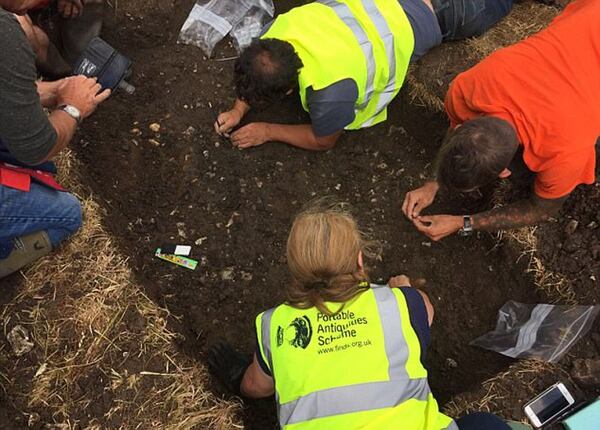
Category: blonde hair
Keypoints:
(322, 255)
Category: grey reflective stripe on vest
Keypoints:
(369, 396)
(391, 322)
(452, 426)
(387, 95)
(387, 37)
(345, 14)
(265, 328)
(352, 398)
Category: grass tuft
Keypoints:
(104, 355)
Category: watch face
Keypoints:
(73, 112)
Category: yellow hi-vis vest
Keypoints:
(358, 369)
(369, 41)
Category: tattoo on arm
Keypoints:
(518, 214)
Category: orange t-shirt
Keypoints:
(548, 88)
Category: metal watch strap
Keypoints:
(467, 228)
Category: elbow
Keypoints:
(247, 387)
(33, 159)
(325, 144)
(250, 389)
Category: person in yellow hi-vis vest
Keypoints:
(347, 58)
(341, 353)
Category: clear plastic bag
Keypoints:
(210, 22)
(249, 27)
(545, 332)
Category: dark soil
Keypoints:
(186, 185)
(571, 246)
(193, 187)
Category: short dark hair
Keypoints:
(266, 71)
(474, 154)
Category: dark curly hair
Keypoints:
(474, 154)
(266, 71)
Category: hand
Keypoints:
(227, 121)
(437, 227)
(399, 281)
(81, 92)
(417, 200)
(254, 134)
(228, 365)
(70, 8)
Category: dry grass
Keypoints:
(428, 80)
(555, 286)
(526, 19)
(521, 382)
(421, 95)
(104, 355)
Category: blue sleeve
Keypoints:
(332, 108)
(261, 360)
(418, 317)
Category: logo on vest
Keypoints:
(341, 331)
(298, 334)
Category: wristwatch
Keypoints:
(467, 228)
(72, 111)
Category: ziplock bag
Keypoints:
(208, 23)
(545, 332)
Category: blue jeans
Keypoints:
(41, 209)
(460, 19)
(481, 421)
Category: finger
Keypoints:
(99, 98)
(404, 279)
(239, 136)
(247, 143)
(96, 88)
(423, 228)
(420, 283)
(68, 10)
(410, 207)
(416, 210)
(224, 129)
(88, 82)
(426, 219)
(405, 204)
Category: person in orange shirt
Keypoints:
(537, 103)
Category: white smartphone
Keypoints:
(549, 405)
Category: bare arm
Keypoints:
(519, 214)
(65, 127)
(301, 136)
(257, 133)
(256, 384)
(81, 92)
(48, 93)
